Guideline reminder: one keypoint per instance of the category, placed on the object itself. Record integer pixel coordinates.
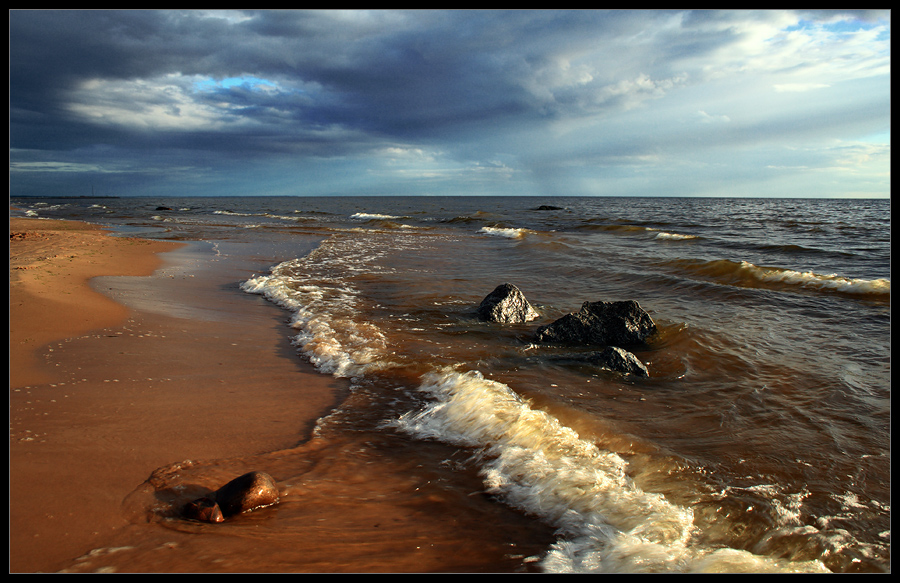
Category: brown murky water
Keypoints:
(760, 442)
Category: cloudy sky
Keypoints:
(596, 103)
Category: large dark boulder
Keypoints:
(603, 323)
(506, 304)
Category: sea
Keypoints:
(760, 442)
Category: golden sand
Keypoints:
(101, 395)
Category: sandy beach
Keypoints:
(102, 394)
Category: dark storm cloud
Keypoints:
(397, 73)
(422, 93)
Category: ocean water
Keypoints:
(759, 442)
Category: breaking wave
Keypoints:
(535, 463)
(508, 232)
(745, 274)
(674, 236)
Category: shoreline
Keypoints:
(102, 394)
(50, 265)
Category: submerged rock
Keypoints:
(606, 323)
(248, 492)
(616, 359)
(611, 358)
(506, 304)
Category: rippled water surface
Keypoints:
(760, 441)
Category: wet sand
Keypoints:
(102, 394)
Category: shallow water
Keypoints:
(760, 441)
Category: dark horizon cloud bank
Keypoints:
(461, 102)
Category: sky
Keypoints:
(460, 102)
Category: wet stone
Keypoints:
(507, 305)
(622, 323)
(619, 360)
(203, 509)
(248, 492)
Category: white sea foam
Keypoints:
(674, 236)
(335, 341)
(606, 522)
(371, 216)
(509, 233)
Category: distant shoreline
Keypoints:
(59, 196)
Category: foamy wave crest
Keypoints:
(535, 463)
(674, 236)
(233, 213)
(330, 335)
(809, 279)
(509, 233)
(746, 274)
(290, 218)
(370, 216)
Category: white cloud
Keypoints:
(405, 154)
(161, 104)
(707, 118)
(798, 87)
(772, 43)
(55, 167)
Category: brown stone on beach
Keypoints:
(204, 510)
(248, 492)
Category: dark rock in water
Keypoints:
(616, 359)
(606, 323)
(163, 208)
(248, 492)
(611, 358)
(506, 304)
(548, 207)
(204, 510)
